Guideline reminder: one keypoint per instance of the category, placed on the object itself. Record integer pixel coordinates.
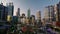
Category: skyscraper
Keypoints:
(28, 13)
(49, 13)
(57, 14)
(38, 14)
(10, 9)
(18, 12)
(18, 19)
(57, 11)
(3, 12)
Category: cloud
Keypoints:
(3, 1)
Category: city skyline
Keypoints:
(34, 5)
(29, 17)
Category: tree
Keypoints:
(12, 28)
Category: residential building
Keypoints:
(49, 14)
(39, 23)
(57, 11)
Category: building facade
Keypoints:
(49, 14)
(18, 14)
(23, 19)
(57, 11)
(38, 14)
(32, 19)
(28, 13)
(10, 9)
(3, 12)
(39, 23)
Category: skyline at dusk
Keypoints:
(34, 5)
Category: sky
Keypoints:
(34, 5)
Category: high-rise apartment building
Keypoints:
(49, 14)
(57, 11)
(57, 14)
(38, 14)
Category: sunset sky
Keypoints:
(34, 5)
